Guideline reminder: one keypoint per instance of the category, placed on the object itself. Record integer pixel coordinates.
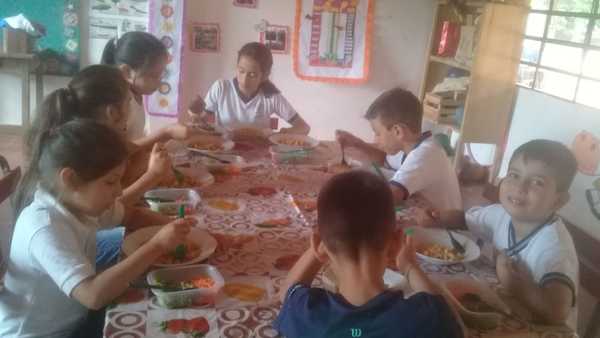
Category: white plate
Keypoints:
(226, 145)
(206, 242)
(278, 139)
(424, 237)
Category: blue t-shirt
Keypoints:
(315, 312)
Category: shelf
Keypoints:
(449, 62)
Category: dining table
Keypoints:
(259, 242)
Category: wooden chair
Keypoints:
(8, 184)
(589, 273)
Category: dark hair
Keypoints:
(397, 106)
(89, 92)
(138, 50)
(355, 209)
(553, 154)
(90, 148)
(262, 55)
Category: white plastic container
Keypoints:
(167, 201)
(191, 297)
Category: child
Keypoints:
(420, 162)
(355, 236)
(142, 58)
(51, 280)
(250, 97)
(99, 93)
(538, 263)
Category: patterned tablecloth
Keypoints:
(258, 257)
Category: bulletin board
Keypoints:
(60, 48)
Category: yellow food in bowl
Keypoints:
(441, 252)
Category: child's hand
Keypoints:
(173, 234)
(159, 164)
(197, 106)
(407, 257)
(346, 139)
(178, 131)
(429, 218)
(511, 273)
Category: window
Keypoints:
(561, 50)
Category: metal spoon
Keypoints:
(456, 244)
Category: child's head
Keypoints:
(141, 57)
(356, 216)
(395, 117)
(254, 65)
(98, 92)
(539, 175)
(81, 163)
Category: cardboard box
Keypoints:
(14, 41)
(441, 107)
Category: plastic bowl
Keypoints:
(167, 201)
(191, 297)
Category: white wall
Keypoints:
(538, 115)
(401, 33)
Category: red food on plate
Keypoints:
(286, 263)
(309, 204)
(262, 191)
(197, 326)
(173, 326)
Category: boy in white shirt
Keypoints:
(537, 262)
(420, 163)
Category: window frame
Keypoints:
(594, 18)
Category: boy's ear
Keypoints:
(68, 178)
(319, 248)
(563, 198)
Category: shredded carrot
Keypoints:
(203, 282)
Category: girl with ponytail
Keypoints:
(52, 280)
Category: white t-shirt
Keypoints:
(549, 252)
(52, 252)
(428, 171)
(231, 111)
(137, 126)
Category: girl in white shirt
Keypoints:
(142, 59)
(250, 98)
(51, 280)
(99, 93)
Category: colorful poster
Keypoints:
(166, 23)
(332, 40)
(110, 19)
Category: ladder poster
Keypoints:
(332, 40)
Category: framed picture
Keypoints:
(277, 38)
(246, 3)
(205, 37)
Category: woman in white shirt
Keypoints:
(250, 98)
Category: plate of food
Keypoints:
(293, 141)
(434, 246)
(211, 144)
(194, 177)
(198, 247)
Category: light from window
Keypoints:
(561, 50)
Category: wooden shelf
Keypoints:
(455, 128)
(449, 62)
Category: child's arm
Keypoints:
(451, 219)
(176, 131)
(304, 271)
(136, 218)
(374, 154)
(99, 290)
(550, 303)
(159, 166)
(406, 262)
(299, 126)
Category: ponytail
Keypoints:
(108, 54)
(138, 50)
(90, 148)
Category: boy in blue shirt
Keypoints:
(355, 235)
